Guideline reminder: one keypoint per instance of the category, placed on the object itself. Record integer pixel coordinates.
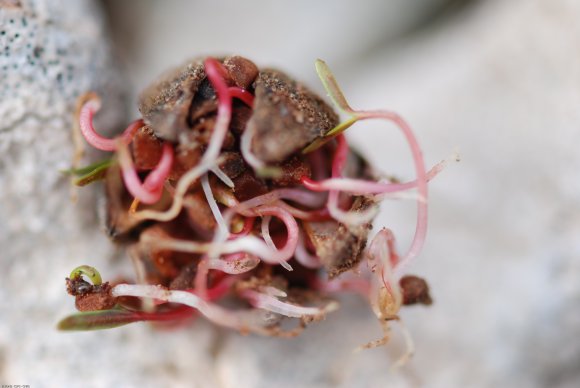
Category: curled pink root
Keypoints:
(265, 252)
(421, 227)
(151, 190)
(304, 257)
(232, 264)
(87, 112)
(357, 186)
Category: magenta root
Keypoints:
(93, 138)
(151, 190)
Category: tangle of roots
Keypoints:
(235, 256)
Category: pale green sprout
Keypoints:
(90, 272)
(335, 93)
(91, 173)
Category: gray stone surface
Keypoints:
(500, 83)
(51, 51)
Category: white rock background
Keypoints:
(496, 79)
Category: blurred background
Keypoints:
(496, 81)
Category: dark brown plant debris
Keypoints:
(415, 290)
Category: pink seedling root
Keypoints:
(382, 251)
(232, 264)
(362, 187)
(338, 163)
(151, 190)
(93, 138)
(245, 320)
(215, 71)
(304, 257)
(272, 255)
(421, 227)
(201, 277)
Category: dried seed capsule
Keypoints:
(165, 103)
(179, 98)
(146, 149)
(287, 117)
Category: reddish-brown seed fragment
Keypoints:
(247, 186)
(147, 149)
(165, 263)
(185, 159)
(292, 170)
(161, 259)
(240, 116)
(96, 298)
(242, 71)
(415, 290)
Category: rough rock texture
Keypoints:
(50, 52)
(500, 82)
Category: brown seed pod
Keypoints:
(287, 117)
